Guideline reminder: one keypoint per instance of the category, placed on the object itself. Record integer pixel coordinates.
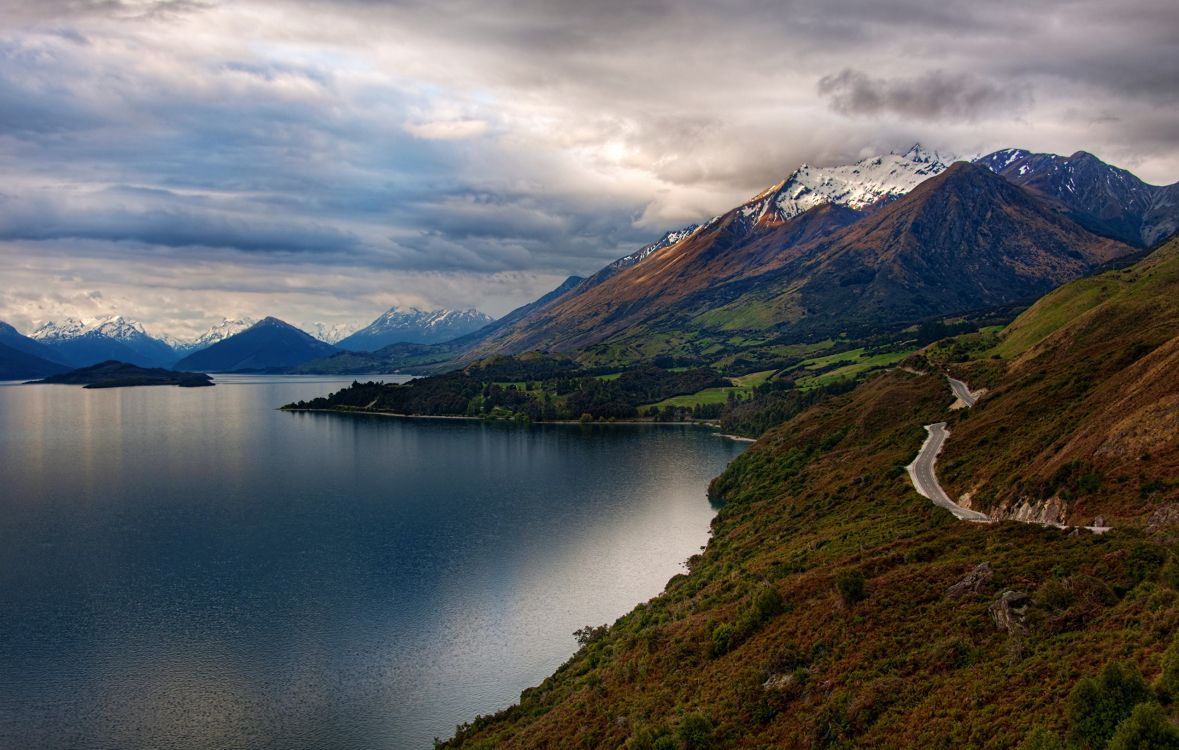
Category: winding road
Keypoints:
(962, 391)
(923, 477)
(921, 471)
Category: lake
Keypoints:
(190, 568)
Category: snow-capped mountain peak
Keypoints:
(221, 331)
(330, 334)
(112, 326)
(51, 331)
(117, 327)
(414, 325)
(857, 185)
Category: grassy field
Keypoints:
(855, 367)
(742, 386)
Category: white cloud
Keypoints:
(446, 130)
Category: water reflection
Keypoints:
(191, 568)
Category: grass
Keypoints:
(859, 366)
(742, 386)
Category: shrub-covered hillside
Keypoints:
(836, 608)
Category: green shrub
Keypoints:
(767, 603)
(850, 586)
(695, 732)
(1168, 684)
(1097, 705)
(1146, 729)
(646, 738)
(1041, 739)
(722, 638)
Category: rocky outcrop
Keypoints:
(974, 581)
(1010, 611)
(1052, 511)
(1162, 518)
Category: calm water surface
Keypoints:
(193, 569)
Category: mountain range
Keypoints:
(851, 252)
(414, 326)
(111, 338)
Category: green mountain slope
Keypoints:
(821, 613)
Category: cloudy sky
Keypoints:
(179, 161)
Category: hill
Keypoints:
(835, 607)
(122, 375)
(268, 345)
(21, 365)
(1082, 419)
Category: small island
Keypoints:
(113, 374)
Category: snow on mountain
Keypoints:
(70, 328)
(114, 337)
(416, 326)
(331, 333)
(856, 185)
(223, 330)
(645, 251)
(112, 326)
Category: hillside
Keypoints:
(16, 364)
(825, 613)
(1083, 415)
(1104, 198)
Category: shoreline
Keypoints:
(595, 423)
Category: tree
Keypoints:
(1146, 729)
(850, 586)
(1097, 705)
(1169, 682)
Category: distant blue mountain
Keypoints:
(14, 339)
(20, 365)
(113, 338)
(267, 346)
(414, 326)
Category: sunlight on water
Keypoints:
(194, 569)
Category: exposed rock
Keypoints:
(781, 681)
(1167, 515)
(1098, 521)
(1052, 511)
(972, 583)
(1010, 610)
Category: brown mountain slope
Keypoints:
(733, 247)
(964, 240)
(1083, 417)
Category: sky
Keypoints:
(183, 161)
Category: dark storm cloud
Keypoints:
(534, 138)
(937, 95)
